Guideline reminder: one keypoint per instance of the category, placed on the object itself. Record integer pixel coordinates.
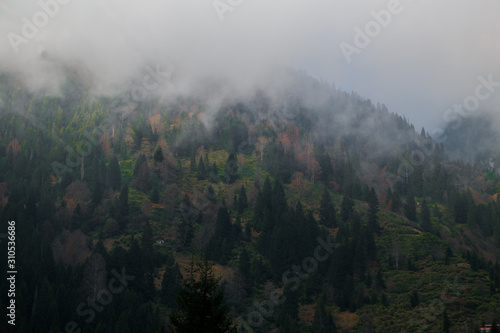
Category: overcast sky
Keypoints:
(423, 59)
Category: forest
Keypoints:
(308, 211)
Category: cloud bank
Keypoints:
(420, 62)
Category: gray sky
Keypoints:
(425, 58)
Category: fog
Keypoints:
(420, 60)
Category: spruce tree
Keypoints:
(231, 171)
(373, 210)
(327, 215)
(220, 245)
(446, 322)
(426, 217)
(242, 200)
(201, 169)
(114, 174)
(201, 302)
(155, 196)
(158, 156)
(346, 208)
(411, 208)
(171, 284)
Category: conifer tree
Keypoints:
(426, 217)
(201, 169)
(411, 208)
(192, 164)
(373, 210)
(201, 302)
(346, 208)
(170, 284)
(220, 245)
(327, 215)
(158, 156)
(242, 200)
(155, 195)
(231, 171)
(323, 321)
(114, 174)
(446, 322)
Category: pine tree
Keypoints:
(494, 327)
(200, 301)
(155, 195)
(242, 200)
(446, 322)
(192, 164)
(114, 174)
(158, 156)
(323, 321)
(140, 160)
(411, 208)
(220, 245)
(214, 174)
(142, 178)
(171, 284)
(414, 301)
(426, 217)
(373, 210)
(346, 208)
(201, 169)
(231, 171)
(327, 215)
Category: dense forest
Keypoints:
(312, 209)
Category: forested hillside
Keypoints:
(320, 211)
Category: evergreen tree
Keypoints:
(426, 217)
(140, 160)
(244, 264)
(242, 200)
(200, 302)
(114, 174)
(414, 300)
(221, 244)
(327, 215)
(155, 196)
(142, 179)
(214, 174)
(346, 208)
(323, 321)
(147, 243)
(396, 202)
(123, 207)
(231, 171)
(411, 208)
(192, 165)
(201, 169)
(373, 210)
(494, 327)
(446, 322)
(158, 156)
(171, 284)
